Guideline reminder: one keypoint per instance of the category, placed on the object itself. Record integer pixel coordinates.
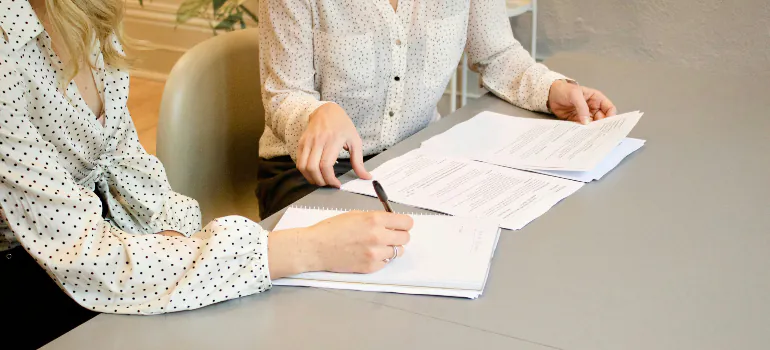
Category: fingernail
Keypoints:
(586, 120)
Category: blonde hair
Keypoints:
(80, 23)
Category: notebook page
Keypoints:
(367, 287)
(443, 252)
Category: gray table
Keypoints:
(670, 251)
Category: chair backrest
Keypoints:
(211, 118)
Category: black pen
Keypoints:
(382, 196)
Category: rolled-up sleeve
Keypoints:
(103, 267)
(286, 68)
(506, 68)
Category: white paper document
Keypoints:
(463, 187)
(527, 143)
(446, 255)
(623, 150)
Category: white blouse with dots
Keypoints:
(56, 156)
(386, 68)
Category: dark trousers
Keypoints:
(35, 310)
(281, 184)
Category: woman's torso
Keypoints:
(387, 69)
(61, 115)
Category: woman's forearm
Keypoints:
(290, 252)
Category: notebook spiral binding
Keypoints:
(347, 210)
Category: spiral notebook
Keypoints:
(446, 255)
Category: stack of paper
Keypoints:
(459, 186)
(565, 149)
(486, 167)
(625, 148)
(446, 255)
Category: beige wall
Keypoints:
(165, 41)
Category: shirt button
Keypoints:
(391, 113)
(397, 78)
(398, 42)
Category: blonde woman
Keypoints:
(88, 222)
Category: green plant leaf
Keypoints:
(248, 13)
(190, 9)
(218, 4)
(229, 22)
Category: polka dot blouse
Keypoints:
(85, 200)
(387, 69)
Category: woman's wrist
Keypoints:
(325, 109)
(291, 252)
(557, 84)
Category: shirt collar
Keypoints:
(19, 22)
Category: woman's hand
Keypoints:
(354, 242)
(569, 101)
(329, 130)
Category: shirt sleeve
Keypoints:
(176, 212)
(100, 266)
(506, 68)
(286, 68)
